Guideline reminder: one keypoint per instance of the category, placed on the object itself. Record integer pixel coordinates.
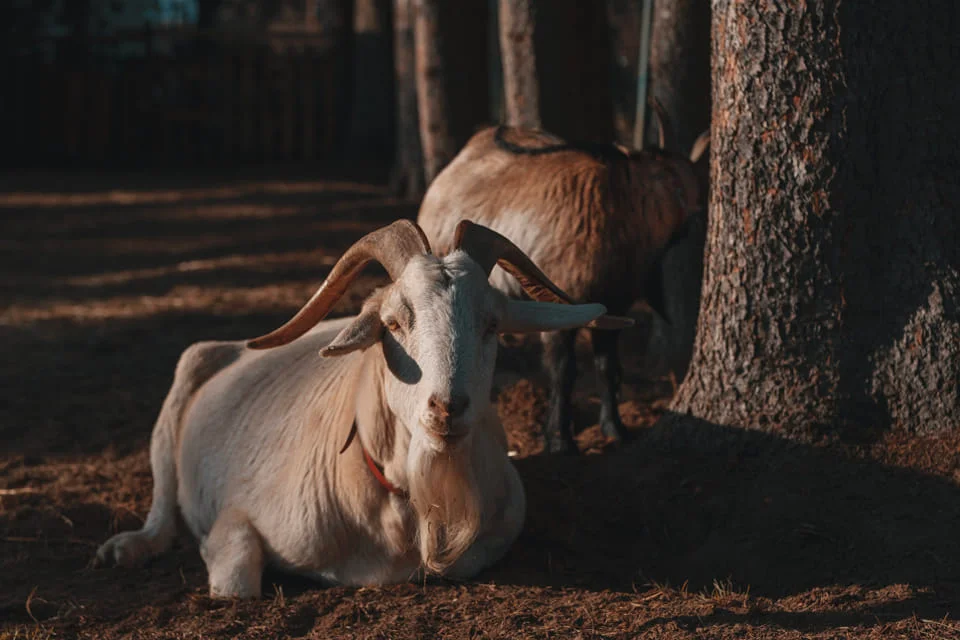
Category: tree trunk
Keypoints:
(521, 89)
(497, 109)
(464, 48)
(624, 18)
(576, 100)
(680, 82)
(207, 14)
(336, 17)
(432, 96)
(680, 67)
(371, 110)
(407, 178)
(830, 301)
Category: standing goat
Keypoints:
(253, 443)
(595, 217)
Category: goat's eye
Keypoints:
(392, 325)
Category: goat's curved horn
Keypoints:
(699, 146)
(664, 128)
(489, 248)
(392, 246)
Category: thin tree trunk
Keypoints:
(521, 88)
(336, 18)
(432, 96)
(497, 108)
(371, 110)
(624, 17)
(407, 178)
(680, 82)
(576, 99)
(830, 303)
(680, 67)
(464, 47)
(207, 13)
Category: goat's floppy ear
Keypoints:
(364, 332)
(523, 316)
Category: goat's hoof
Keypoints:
(128, 549)
(234, 580)
(617, 433)
(240, 590)
(562, 447)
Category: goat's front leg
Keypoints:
(609, 377)
(559, 359)
(233, 553)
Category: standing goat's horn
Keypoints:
(489, 248)
(699, 146)
(664, 128)
(392, 246)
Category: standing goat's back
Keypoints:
(595, 217)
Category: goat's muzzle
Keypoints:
(444, 415)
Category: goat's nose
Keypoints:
(458, 405)
(454, 407)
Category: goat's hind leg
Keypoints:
(233, 553)
(197, 364)
(133, 548)
(609, 379)
(560, 362)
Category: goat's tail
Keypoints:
(197, 365)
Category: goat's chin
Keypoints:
(449, 443)
(444, 495)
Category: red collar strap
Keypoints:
(373, 466)
(378, 474)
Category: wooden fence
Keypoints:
(227, 101)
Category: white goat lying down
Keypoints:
(361, 467)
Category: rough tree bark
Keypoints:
(680, 81)
(520, 85)
(432, 94)
(830, 301)
(407, 178)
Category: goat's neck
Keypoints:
(653, 196)
(378, 428)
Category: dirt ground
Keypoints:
(693, 530)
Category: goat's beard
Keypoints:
(444, 494)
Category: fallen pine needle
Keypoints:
(33, 592)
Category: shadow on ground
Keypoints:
(696, 502)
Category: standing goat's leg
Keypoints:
(233, 553)
(560, 362)
(609, 374)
